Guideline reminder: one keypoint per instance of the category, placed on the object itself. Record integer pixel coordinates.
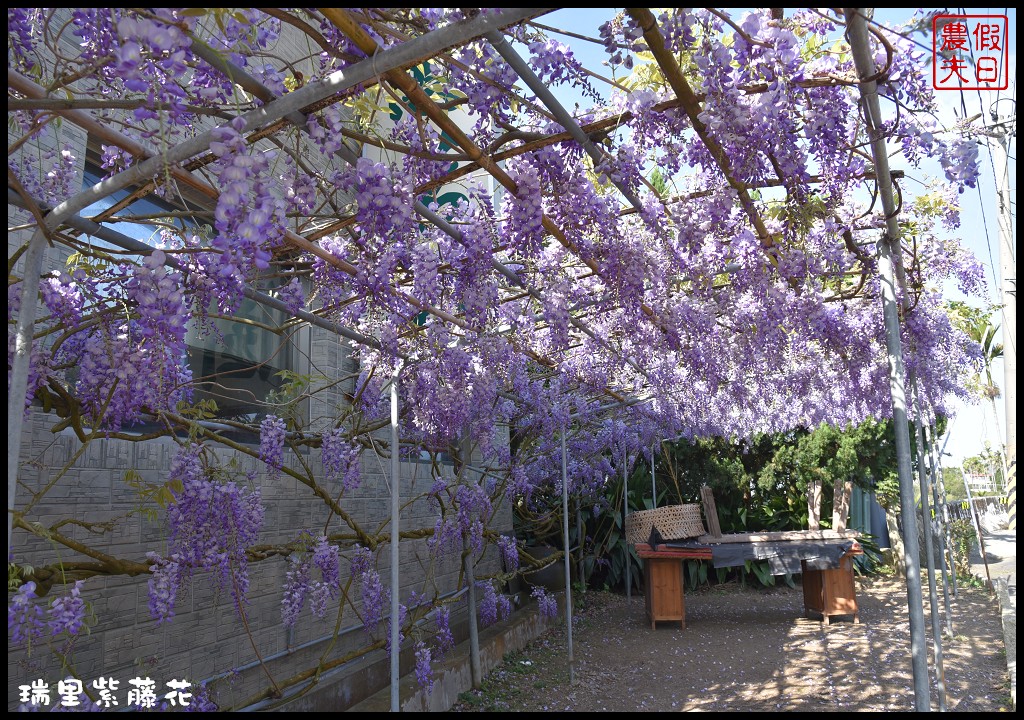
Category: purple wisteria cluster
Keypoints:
(509, 552)
(211, 526)
(120, 339)
(157, 293)
(424, 670)
(250, 210)
(443, 635)
(293, 295)
(49, 177)
(494, 606)
(547, 604)
(63, 297)
(464, 524)
(28, 622)
(341, 459)
(555, 64)
(483, 75)
(272, 437)
(524, 211)
(376, 609)
(550, 323)
(385, 216)
(299, 585)
(24, 28)
(376, 599)
(38, 366)
(123, 373)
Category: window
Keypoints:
(247, 358)
(235, 361)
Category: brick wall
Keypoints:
(206, 639)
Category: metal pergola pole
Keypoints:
(1000, 152)
(395, 511)
(19, 367)
(889, 249)
(980, 534)
(933, 600)
(563, 116)
(565, 545)
(654, 484)
(937, 458)
(625, 514)
(940, 522)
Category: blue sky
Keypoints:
(974, 424)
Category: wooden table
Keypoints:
(663, 591)
(827, 593)
(663, 581)
(831, 592)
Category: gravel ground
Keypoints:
(752, 650)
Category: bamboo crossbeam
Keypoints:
(427, 106)
(566, 120)
(691, 106)
(252, 85)
(30, 89)
(596, 128)
(424, 103)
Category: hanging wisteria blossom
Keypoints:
(235, 231)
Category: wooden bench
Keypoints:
(828, 592)
(664, 596)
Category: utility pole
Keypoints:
(999, 145)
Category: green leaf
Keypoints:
(132, 478)
(164, 497)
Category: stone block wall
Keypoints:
(97, 495)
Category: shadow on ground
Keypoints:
(752, 650)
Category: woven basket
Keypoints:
(674, 522)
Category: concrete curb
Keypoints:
(1006, 591)
(454, 676)
(1000, 564)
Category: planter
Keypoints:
(551, 578)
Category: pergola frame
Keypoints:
(389, 65)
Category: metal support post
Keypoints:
(999, 147)
(565, 544)
(926, 520)
(889, 249)
(396, 478)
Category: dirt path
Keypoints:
(746, 650)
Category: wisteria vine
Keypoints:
(739, 297)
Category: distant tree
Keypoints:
(977, 323)
(761, 483)
(953, 481)
(988, 462)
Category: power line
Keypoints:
(988, 241)
(905, 35)
(981, 199)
